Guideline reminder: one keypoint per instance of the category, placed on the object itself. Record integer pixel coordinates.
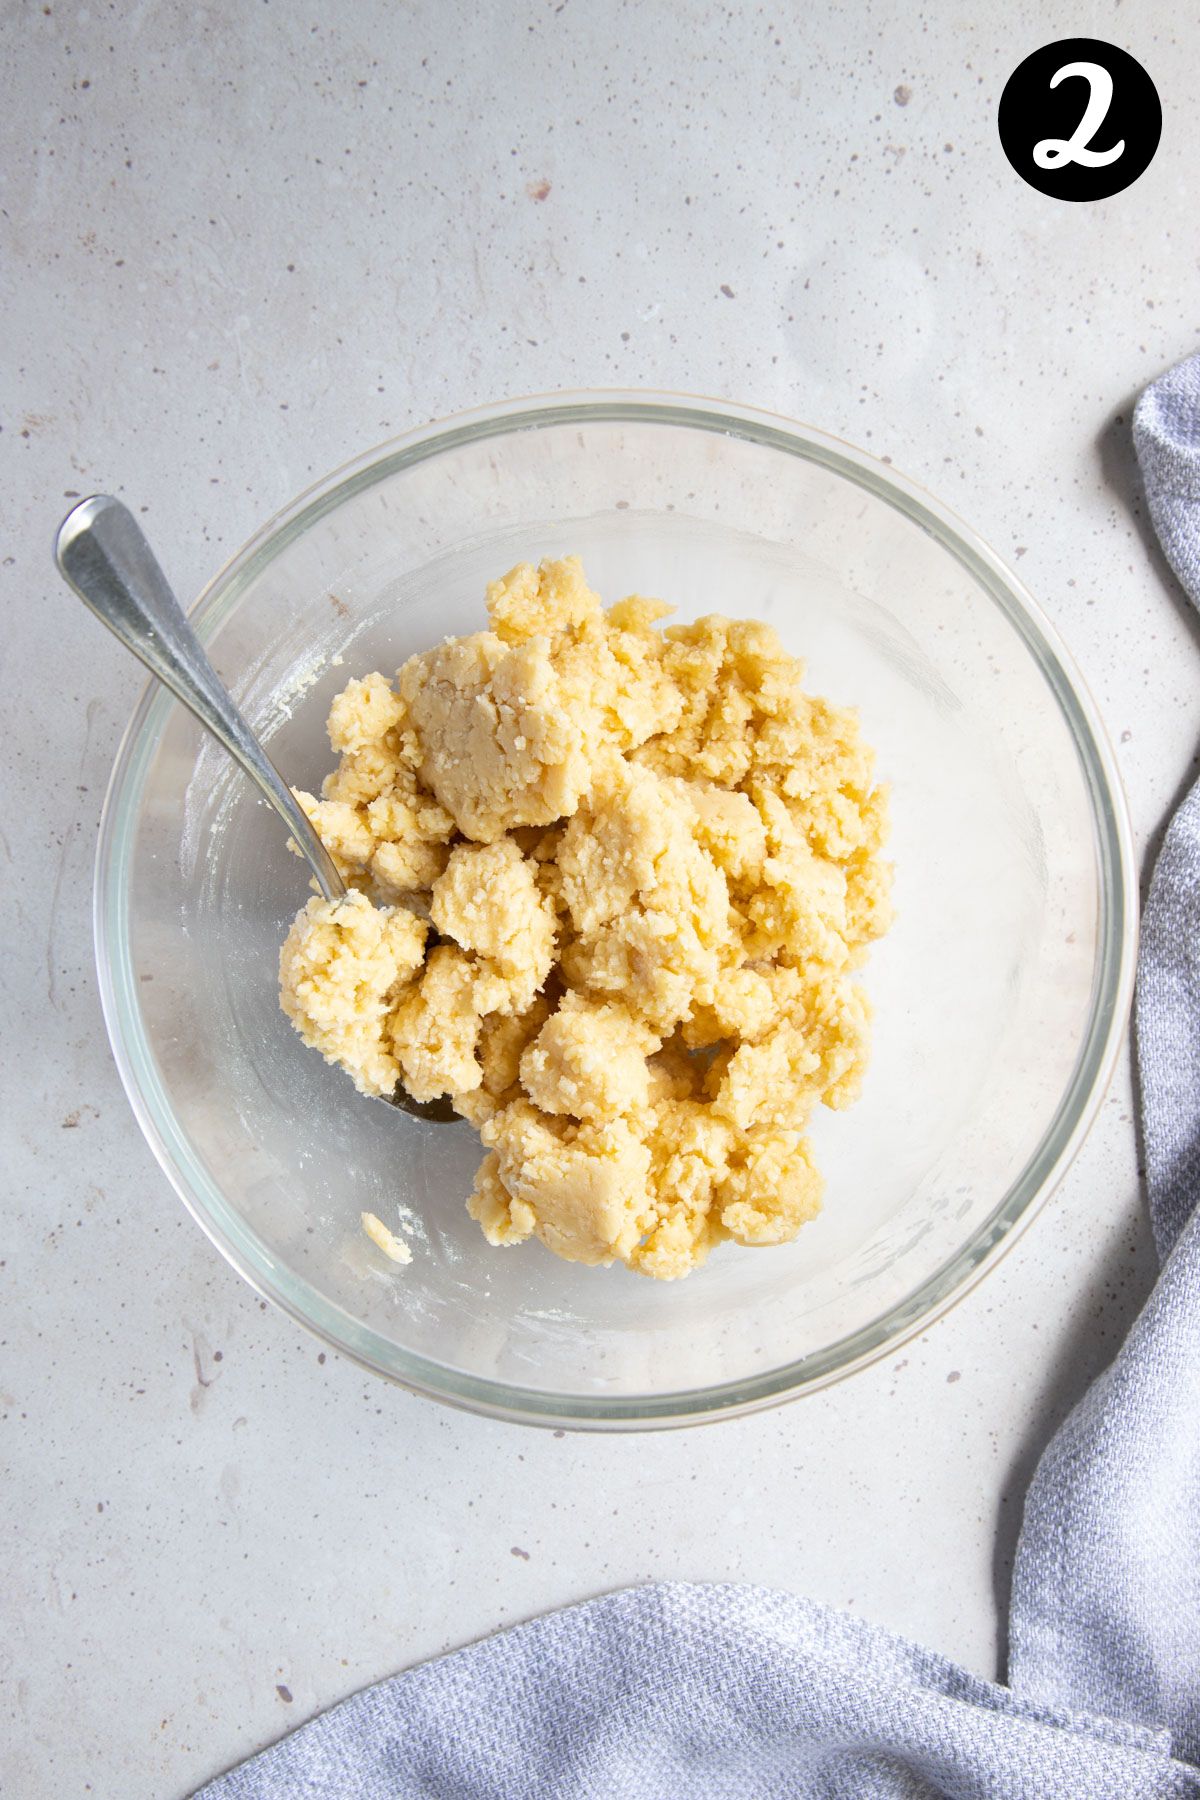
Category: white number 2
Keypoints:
(1054, 153)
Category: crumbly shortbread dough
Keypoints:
(611, 887)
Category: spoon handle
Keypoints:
(103, 554)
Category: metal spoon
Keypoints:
(102, 553)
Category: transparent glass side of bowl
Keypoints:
(981, 992)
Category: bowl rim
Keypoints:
(1112, 983)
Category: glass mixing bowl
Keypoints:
(1000, 994)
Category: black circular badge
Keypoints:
(1079, 119)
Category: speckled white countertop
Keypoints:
(241, 243)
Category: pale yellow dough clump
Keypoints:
(393, 1247)
(611, 887)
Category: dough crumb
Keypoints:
(388, 1242)
(611, 889)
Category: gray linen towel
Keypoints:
(678, 1692)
